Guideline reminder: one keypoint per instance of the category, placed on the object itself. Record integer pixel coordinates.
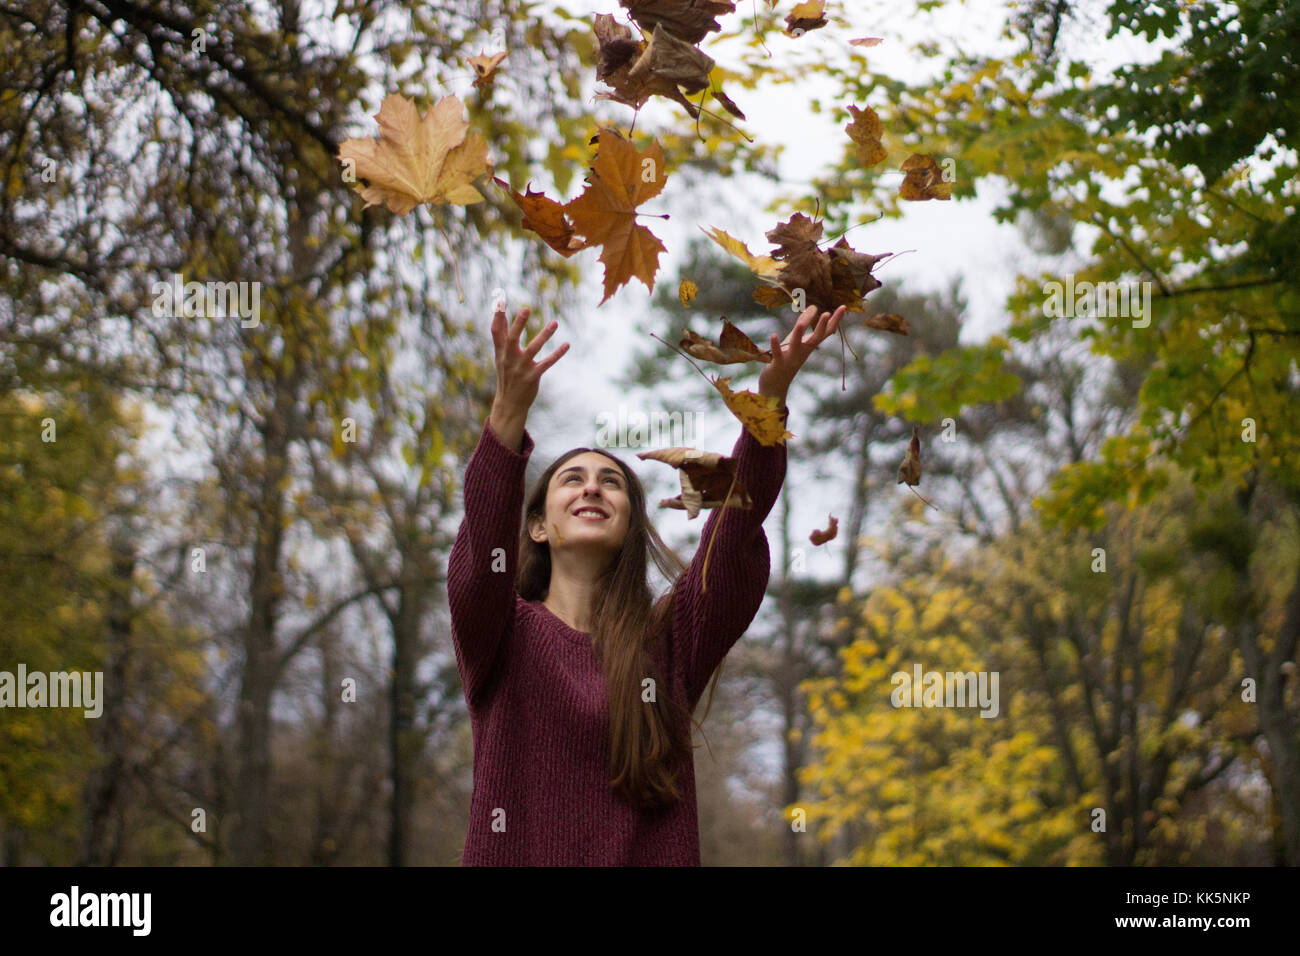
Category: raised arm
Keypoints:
(706, 623)
(483, 562)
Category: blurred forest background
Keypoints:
(1116, 521)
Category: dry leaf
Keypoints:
(765, 267)
(923, 180)
(706, 478)
(621, 178)
(728, 103)
(761, 415)
(867, 41)
(417, 160)
(910, 470)
(804, 17)
(889, 322)
(687, 291)
(866, 130)
(636, 71)
(734, 347)
(821, 537)
(689, 20)
(485, 66)
(546, 217)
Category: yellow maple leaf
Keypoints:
(761, 415)
(418, 160)
(765, 267)
(687, 291)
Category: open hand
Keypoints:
(517, 374)
(788, 356)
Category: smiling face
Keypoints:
(587, 503)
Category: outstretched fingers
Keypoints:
(551, 359)
(540, 339)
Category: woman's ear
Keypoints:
(537, 530)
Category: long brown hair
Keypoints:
(647, 743)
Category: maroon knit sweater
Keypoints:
(536, 693)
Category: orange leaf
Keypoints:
(485, 66)
(889, 322)
(621, 178)
(821, 537)
(545, 217)
(734, 347)
(923, 180)
(866, 130)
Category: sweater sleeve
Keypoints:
(706, 623)
(483, 562)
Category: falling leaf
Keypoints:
(764, 267)
(728, 103)
(866, 130)
(687, 291)
(821, 537)
(889, 322)
(636, 71)
(829, 278)
(546, 217)
(910, 470)
(733, 348)
(621, 178)
(706, 478)
(418, 160)
(804, 17)
(760, 414)
(923, 179)
(485, 66)
(867, 41)
(689, 20)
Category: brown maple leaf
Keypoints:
(866, 130)
(923, 180)
(910, 470)
(689, 20)
(829, 278)
(636, 71)
(821, 537)
(707, 477)
(621, 178)
(888, 322)
(418, 160)
(761, 415)
(545, 217)
(804, 17)
(485, 66)
(734, 347)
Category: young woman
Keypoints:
(580, 688)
